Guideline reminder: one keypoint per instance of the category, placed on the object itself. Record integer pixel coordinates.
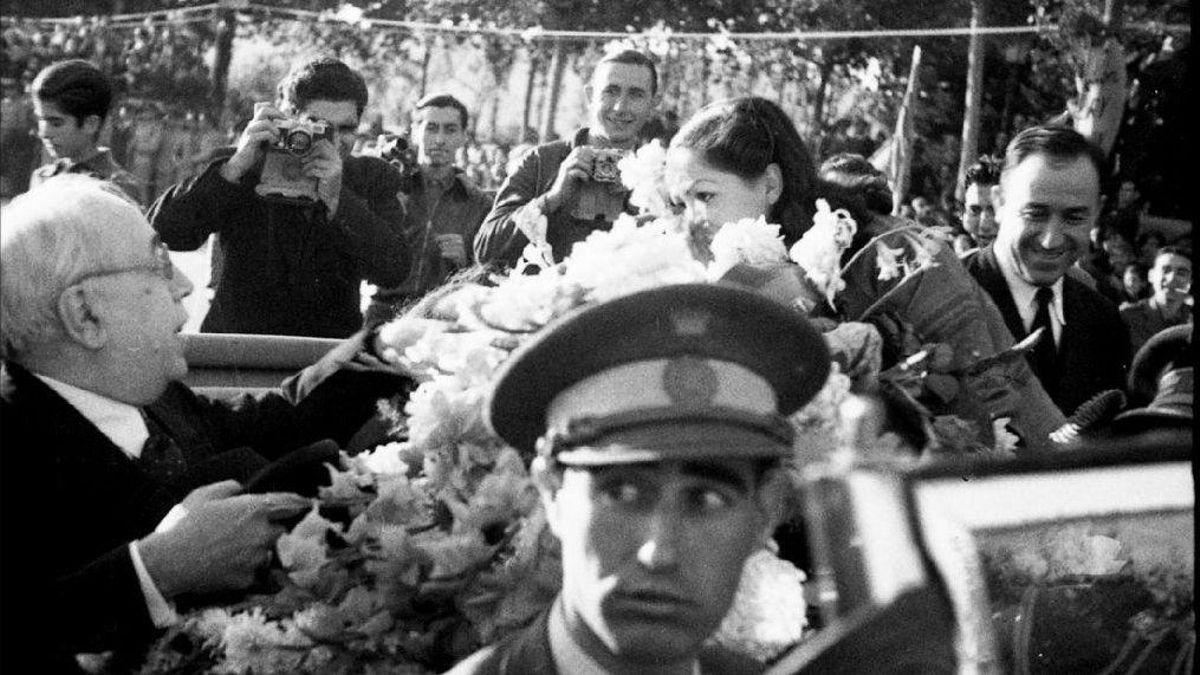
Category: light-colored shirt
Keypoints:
(1023, 294)
(124, 425)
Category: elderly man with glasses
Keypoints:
(119, 485)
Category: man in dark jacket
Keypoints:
(442, 207)
(574, 184)
(659, 424)
(290, 260)
(121, 491)
(1046, 202)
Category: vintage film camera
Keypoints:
(604, 165)
(396, 150)
(283, 178)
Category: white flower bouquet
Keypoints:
(425, 549)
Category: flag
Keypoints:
(900, 163)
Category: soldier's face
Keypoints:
(652, 554)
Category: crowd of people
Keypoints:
(632, 438)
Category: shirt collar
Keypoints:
(93, 162)
(568, 656)
(122, 423)
(1023, 292)
(451, 180)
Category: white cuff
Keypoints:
(162, 613)
(172, 518)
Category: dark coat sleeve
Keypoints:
(498, 240)
(1095, 346)
(370, 218)
(188, 212)
(70, 503)
(331, 399)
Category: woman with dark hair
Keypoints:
(857, 176)
(743, 158)
(748, 154)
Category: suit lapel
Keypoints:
(49, 416)
(992, 280)
(1073, 350)
(96, 488)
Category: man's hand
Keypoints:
(324, 163)
(220, 542)
(249, 152)
(575, 169)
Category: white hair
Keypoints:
(56, 232)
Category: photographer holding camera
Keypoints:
(576, 184)
(299, 222)
(443, 208)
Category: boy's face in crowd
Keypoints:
(439, 134)
(622, 100)
(652, 554)
(1170, 276)
(64, 136)
(979, 214)
(342, 116)
(1046, 207)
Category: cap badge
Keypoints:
(690, 321)
(690, 381)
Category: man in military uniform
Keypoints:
(658, 422)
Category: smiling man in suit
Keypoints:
(1047, 201)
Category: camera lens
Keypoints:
(298, 142)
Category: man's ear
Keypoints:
(773, 182)
(773, 492)
(548, 481)
(76, 311)
(92, 125)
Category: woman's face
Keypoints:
(715, 197)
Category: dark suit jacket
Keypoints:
(1094, 347)
(528, 651)
(72, 500)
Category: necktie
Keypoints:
(1045, 354)
(161, 456)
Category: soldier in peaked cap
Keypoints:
(659, 424)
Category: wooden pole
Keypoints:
(971, 109)
(902, 140)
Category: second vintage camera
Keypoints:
(283, 178)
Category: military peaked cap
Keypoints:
(682, 371)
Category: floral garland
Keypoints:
(422, 550)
